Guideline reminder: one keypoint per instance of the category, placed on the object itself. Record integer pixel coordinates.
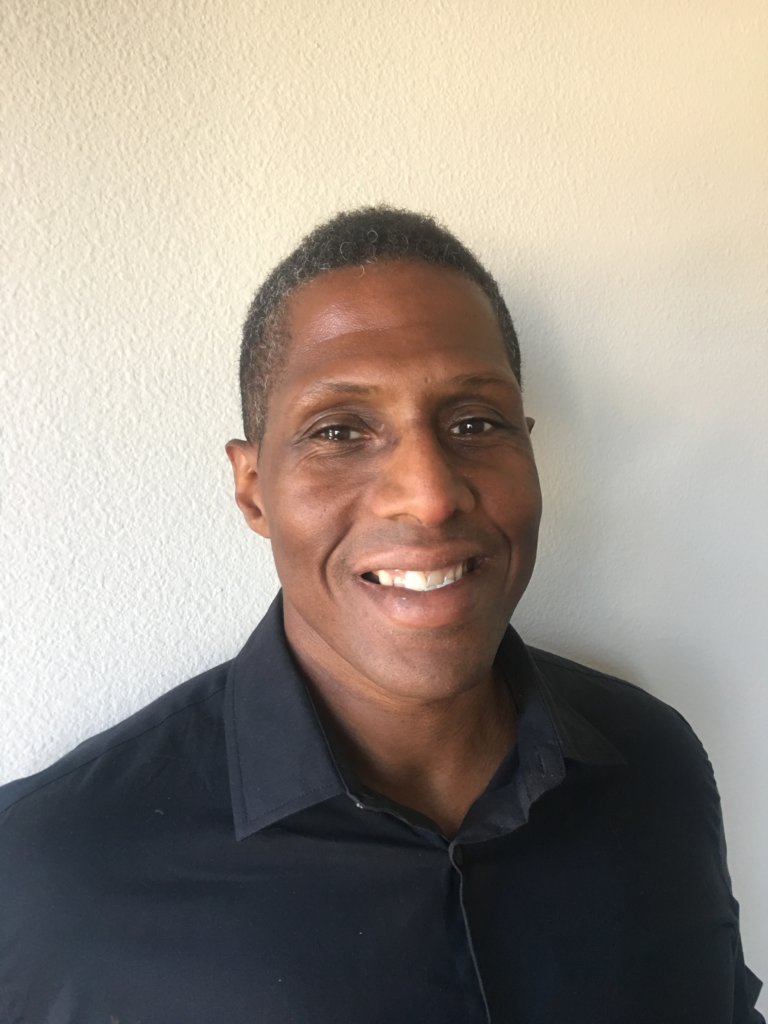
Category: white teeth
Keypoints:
(414, 579)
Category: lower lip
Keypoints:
(426, 609)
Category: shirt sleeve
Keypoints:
(746, 990)
(746, 985)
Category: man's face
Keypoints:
(395, 480)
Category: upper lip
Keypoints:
(420, 559)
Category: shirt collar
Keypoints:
(280, 761)
(550, 732)
(544, 710)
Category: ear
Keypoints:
(530, 422)
(244, 458)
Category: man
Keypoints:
(386, 808)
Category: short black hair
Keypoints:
(372, 234)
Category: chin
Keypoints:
(445, 662)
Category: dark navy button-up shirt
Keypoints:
(211, 860)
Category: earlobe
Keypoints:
(244, 459)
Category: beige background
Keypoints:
(609, 162)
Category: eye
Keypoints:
(471, 426)
(337, 432)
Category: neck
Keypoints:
(435, 756)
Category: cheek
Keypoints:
(530, 506)
(514, 502)
(310, 516)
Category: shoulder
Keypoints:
(647, 731)
(666, 786)
(174, 722)
(83, 841)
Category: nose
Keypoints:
(420, 479)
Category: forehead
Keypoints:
(388, 313)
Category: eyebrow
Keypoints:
(325, 388)
(479, 380)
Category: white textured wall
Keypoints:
(609, 161)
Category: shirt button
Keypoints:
(358, 805)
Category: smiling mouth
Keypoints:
(421, 580)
